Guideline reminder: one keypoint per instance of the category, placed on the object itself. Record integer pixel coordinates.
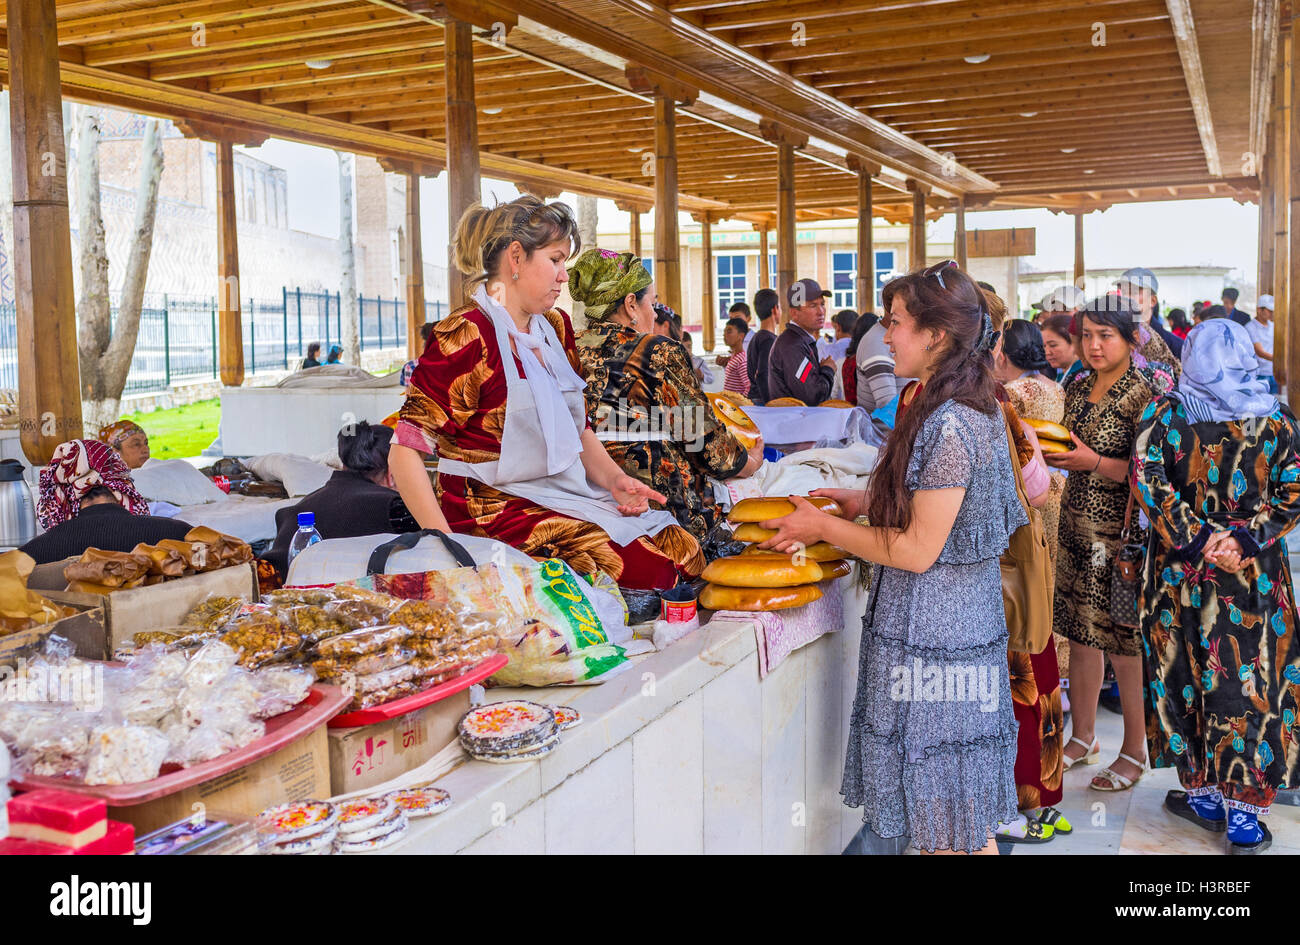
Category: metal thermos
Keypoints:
(17, 510)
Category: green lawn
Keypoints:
(181, 431)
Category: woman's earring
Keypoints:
(515, 276)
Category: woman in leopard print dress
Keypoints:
(1101, 411)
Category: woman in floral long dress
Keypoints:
(643, 398)
(1217, 470)
(927, 757)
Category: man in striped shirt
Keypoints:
(737, 376)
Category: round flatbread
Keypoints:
(363, 814)
(375, 830)
(566, 716)
(420, 802)
(321, 843)
(532, 754)
(394, 835)
(297, 820)
(512, 725)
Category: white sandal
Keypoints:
(1117, 782)
(1091, 757)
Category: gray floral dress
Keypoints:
(932, 738)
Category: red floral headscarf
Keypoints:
(76, 468)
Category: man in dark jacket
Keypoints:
(104, 524)
(768, 305)
(794, 369)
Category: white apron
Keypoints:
(521, 470)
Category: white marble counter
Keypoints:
(686, 752)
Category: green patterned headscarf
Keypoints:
(601, 279)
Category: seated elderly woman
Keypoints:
(644, 399)
(129, 439)
(498, 397)
(358, 499)
(87, 500)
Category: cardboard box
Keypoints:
(84, 629)
(372, 754)
(158, 605)
(297, 772)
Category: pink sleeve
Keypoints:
(1037, 480)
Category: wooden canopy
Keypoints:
(770, 111)
(1047, 98)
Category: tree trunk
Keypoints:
(587, 232)
(6, 206)
(106, 349)
(94, 315)
(351, 315)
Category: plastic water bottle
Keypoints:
(305, 535)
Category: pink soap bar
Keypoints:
(14, 846)
(119, 840)
(58, 810)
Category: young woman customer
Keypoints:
(937, 767)
(1101, 412)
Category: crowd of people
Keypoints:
(1163, 514)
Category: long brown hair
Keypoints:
(963, 372)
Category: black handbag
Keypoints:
(405, 542)
(1126, 575)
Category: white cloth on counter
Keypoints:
(779, 633)
(248, 517)
(339, 375)
(824, 426)
(845, 467)
(175, 482)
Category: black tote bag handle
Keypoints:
(379, 557)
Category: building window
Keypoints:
(771, 269)
(884, 270)
(649, 263)
(844, 274)
(731, 282)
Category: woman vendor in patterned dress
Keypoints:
(1217, 470)
(1102, 408)
(643, 398)
(498, 396)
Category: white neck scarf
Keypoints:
(549, 376)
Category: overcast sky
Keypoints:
(1169, 233)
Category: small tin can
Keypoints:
(677, 605)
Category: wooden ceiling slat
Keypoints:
(1049, 60)
(923, 25)
(1055, 89)
(291, 51)
(415, 82)
(370, 74)
(240, 36)
(172, 17)
(819, 59)
(747, 18)
(1009, 105)
(1044, 119)
(1090, 74)
(1082, 133)
(875, 96)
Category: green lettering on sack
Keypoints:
(561, 587)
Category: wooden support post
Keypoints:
(709, 308)
(464, 186)
(787, 262)
(1079, 269)
(1281, 165)
(1292, 42)
(916, 233)
(633, 212)
(959, 236)
(866, 284)
(230, 324)
(764, 257)
(49, 380)
(1267, 227)
(668, 273)
(415, 269)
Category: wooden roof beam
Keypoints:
(749, 19)
(1180, 18)
(159, 18)
(221, 131)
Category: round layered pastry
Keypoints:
(509, 726)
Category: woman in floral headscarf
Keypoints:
(1217, 471)
(643, 398)
(129, 439)
(87, 500)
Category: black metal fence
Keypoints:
(177, 340)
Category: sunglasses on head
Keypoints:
(937, 271)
